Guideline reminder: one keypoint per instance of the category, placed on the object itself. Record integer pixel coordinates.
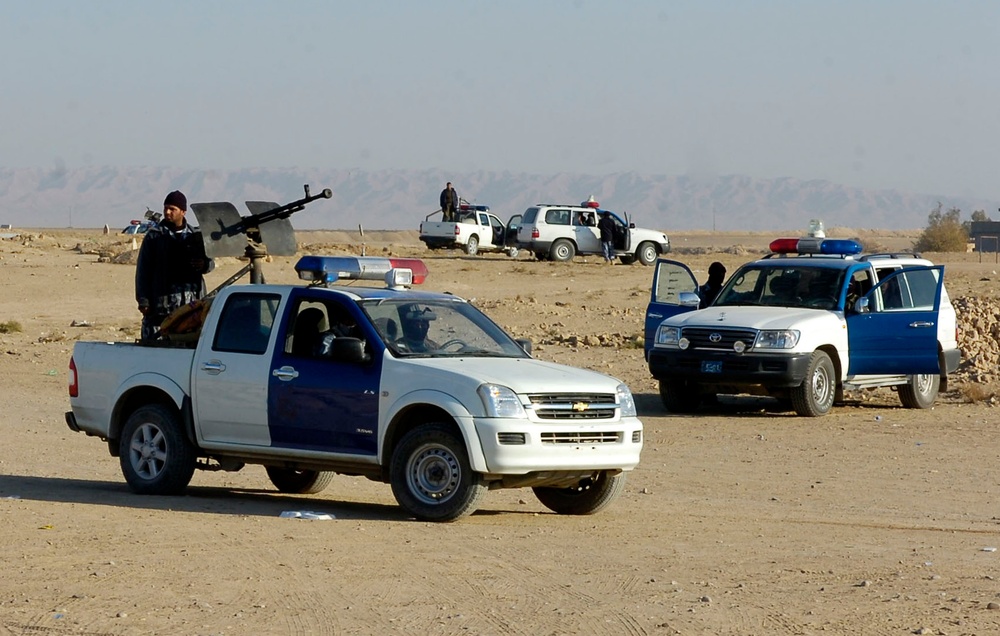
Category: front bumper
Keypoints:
(772, 369)
(520, 446)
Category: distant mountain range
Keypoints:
(399, 199)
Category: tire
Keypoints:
(626, 259)
(542, 256)
(646, 254)
(300, 482)
(431, 477)
(680, 396)
(814, 397)
(589, 496)
(920, 392)
(472, 246)
(513, 252)
(562, 250)
(155, 455)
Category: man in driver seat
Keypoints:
(415, 322)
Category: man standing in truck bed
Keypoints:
(171, 262)
(449, 203)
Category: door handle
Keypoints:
(285, 373)
(652, 315)
(213, 367)
(921, 323)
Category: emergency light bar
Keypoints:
(328, 269)
(815, 245)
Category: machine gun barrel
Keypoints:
(254, 221)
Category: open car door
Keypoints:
(670, 279)
(896, 333)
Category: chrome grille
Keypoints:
(576, 437)
(573, 406)
(719, 339)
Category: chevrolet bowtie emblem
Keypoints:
(580, 406)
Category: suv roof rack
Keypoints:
(868, 257)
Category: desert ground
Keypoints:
(739, 520)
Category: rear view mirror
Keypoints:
(350, 350)
(525, 344)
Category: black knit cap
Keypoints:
(176, 198)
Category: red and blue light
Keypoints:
(811, 245)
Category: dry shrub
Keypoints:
(974, 392)
(11, 326)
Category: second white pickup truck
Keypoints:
(475, 229)
(416, 389)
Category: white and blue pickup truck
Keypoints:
(809, 321)
(416, 389)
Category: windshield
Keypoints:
(783, 286)
(439, 328)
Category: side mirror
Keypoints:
(525, 344)
(631, 226)
(688, 299)
(350, 350)
(861, 305)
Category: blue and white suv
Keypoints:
(805, 323)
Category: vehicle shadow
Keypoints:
(206, 499)
(749, 406)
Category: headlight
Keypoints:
(500, 401)
(777, 339)
(667, 335)
(625, 401)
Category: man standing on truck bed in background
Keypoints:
(449, 202)
(171, 262)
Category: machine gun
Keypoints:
(267, 231)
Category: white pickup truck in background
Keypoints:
(475, 229)
(416, 389)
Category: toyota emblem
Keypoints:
(715, 337)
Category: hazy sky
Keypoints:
(885, 94)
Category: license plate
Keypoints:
(711, 366)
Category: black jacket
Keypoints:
(165, 274)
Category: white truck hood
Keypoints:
(735, 317)
(522, 375)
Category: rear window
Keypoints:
(529, 216)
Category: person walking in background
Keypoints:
(711, 289)
(171, 263)
(606, 226)
(449, 202)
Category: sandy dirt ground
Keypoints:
(739, 520)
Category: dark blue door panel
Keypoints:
(670, 278)
(898, 335)
(330, 407)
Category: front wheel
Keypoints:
(155, 455)
(562, 250)
(646, 254)
(815, 395)
(513, 252)
(431, 477)
(472, 246)
(589, 496)
(299, 482)
(680, 396)
(920, 392)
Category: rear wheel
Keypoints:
(472, 246)
(646, 254)
(301, 482)
(680, 396)
(512, 252)
(920, 392)
(156, 456)
(589, 496)
(541, 256)
(814, 396)
(562, 250)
